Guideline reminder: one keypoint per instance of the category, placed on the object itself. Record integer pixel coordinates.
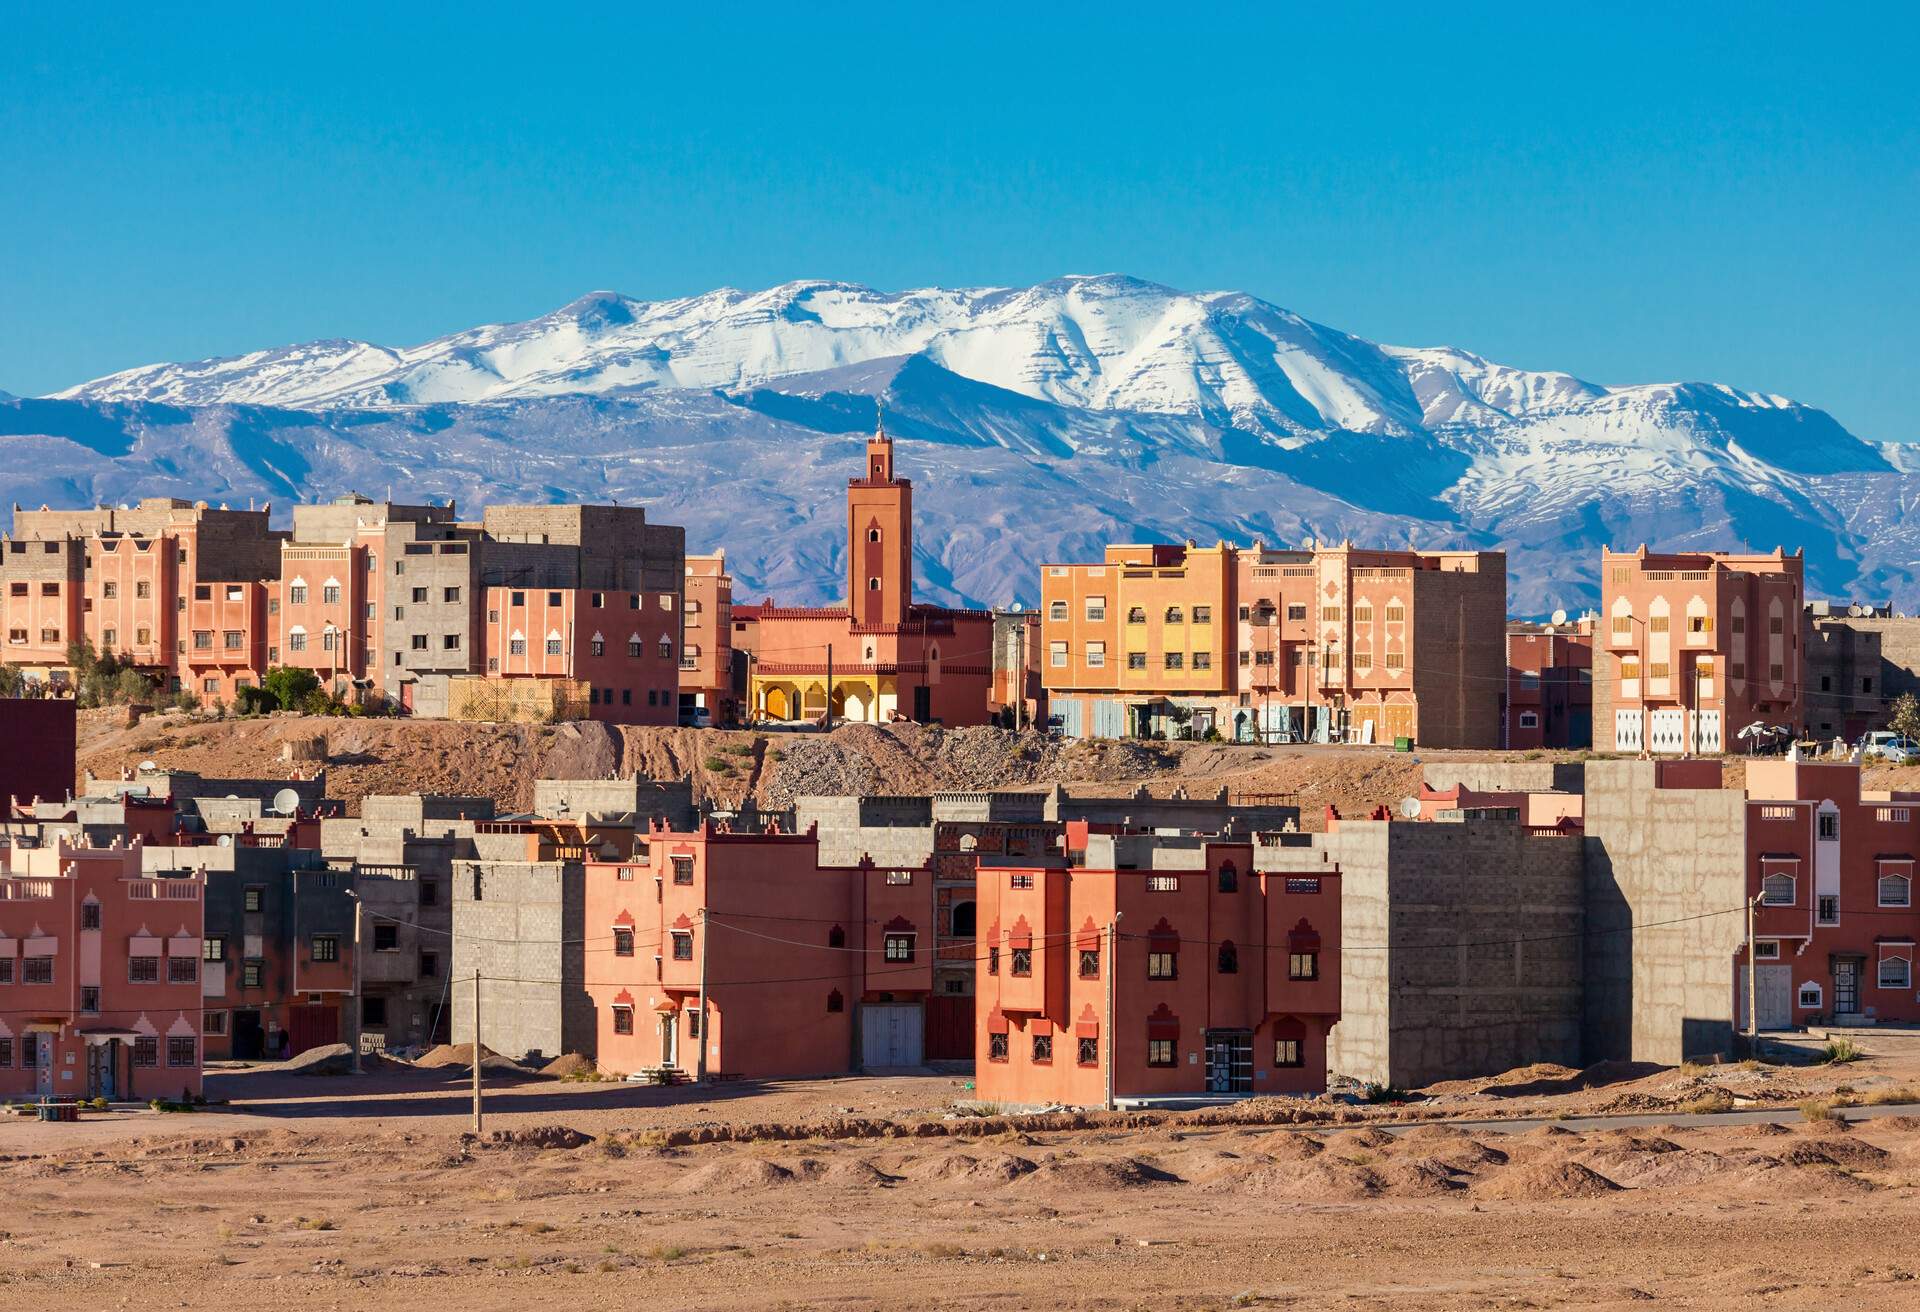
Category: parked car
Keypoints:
(1890, 746)
(696, 717)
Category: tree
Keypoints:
(1906, 716)
(290, 686)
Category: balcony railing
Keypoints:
(163, 890)
(25, 890)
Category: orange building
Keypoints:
(1161, 967)
(1327, 644)
(881, 656)
(800, 969)
(1695, 647)
(706, 654)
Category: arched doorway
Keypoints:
(963, 920)
(778, 707)
(852, 707)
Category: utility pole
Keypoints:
(1753, 986)
(1113, 964)
(477, 1116)
(827, 722)
(700, 1017)
(354, 1009)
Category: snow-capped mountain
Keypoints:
(1151, 412)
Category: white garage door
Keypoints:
(1667, 730)
(1626, 730)
(891, 1034)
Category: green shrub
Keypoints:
(1841, 1051)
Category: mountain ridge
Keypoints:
(1152, 412)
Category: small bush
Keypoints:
(316, 1223)
(666, 1252)
(1817, 1109)
(719, 764)
(1841, 1051)
(1707, 1104)
(1379, 1093)
(1901, 1093)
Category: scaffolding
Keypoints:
(518, 701)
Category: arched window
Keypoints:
(1229, 877)
(873, 584)
(1229, 958)
(1896, 891)
(1136, 615)
(1777, 891)
(835, 1002)
(666, 649)
(963, 920)
(1174, 615)
(873, 535)
(836, 937)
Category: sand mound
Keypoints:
(1676, 1170)
(1121, 1173)
(328, 1059)
(1369, 1137)
(994, 1168)
(1545, 1182)
(570, 1063)
(541, 1136)
(461, 1054)
(1468, 1155)
(1320, 1180)
(1902, 1123)
(1419, 1177)
(735, 1173)
(1290, 1147)
(1763, 1130)
(1547, 1132)
(1433, 1134)
(1838, 1150)
(858, 1173)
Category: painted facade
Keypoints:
(809, 969)
(706, 658)
(100, 975)
(1327, 644)
(1693, 648)
(1548, 699)
(1225, 980)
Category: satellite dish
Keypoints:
(1559, 617)
(147, 767)
(226, 840)
(286, 802)
(233, 797)
(1410, 807)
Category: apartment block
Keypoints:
(1325, 644)
(881, 656)
(1860, 657)
(1147, 966)
(708, 680)
(99, 974)
(1548, 699)
(1695, 647)
(723, 953)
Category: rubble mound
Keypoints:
(994, 1168)
(541, 1136)
(328, 1059)
(1122, 1173)
(732, 1174)
(569, 1064)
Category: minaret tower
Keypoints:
(879, 538)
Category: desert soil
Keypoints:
(365, 1191)
(501, 761)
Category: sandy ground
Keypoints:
(351, 1192)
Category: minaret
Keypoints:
(879, 538)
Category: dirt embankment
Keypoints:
(501, 761)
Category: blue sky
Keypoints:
(1630, 194)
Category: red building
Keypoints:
(807, 969)
(99, 975)
(624, 646)
(40, 749)
(1833, 867)
(881, 656)
(1548, 698)
(1225, 979)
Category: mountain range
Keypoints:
(1037, 423)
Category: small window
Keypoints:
(873, 535)
(146, 1050)
(183, 970)
(1057, 612)
(90, 999)
(1827, 909)
(693, 1023)
(1160, 1052)
(1175, 616)
(873, 584)
(373, 1012)
(89, 915)
(1809, 995)
(140, 970)
(213, 949)
(429, 892)
(1163, 965)
(622, 1020)
(622, 942)
(386, 938)
(993, 961)
(1229, 961)
(1089, 963)
(836, 937)
(836, 1003)
(430, 965)
(250, 975)
(1137, 615)
(1174, 660)
(996, 1047)
(1229, 877)
(1136, 660)
(326, 947)
(682, 945)
(1896, 891)
(899, 877)
(1777, 891)
(899, 947)
(1022, 964)
(683, 870)
(553, 646)
(37, 970)
(213, 1022)
(1829, 826)
(1303, 965)
(1286, 1052)
(1057, 655)
(1895, 973)
(1042, 1049)
(1766, 949)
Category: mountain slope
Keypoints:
(1144, 411)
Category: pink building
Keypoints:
(625, 646)
(99, 975)
(1225, 979)
(808, 969)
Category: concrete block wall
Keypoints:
(521, 925)
(1461, 950)
(1666, 890)
(647, 799)
(1506, 776)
